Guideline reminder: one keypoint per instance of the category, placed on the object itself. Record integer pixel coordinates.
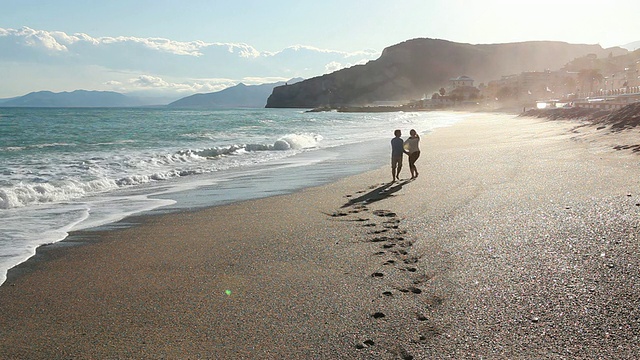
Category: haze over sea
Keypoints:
(66, 169)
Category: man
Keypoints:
(397, 152)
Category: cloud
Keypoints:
(149, 81)
(333, 66)
(40, 39)
(157, 84)
(163, 63)
(83, 46)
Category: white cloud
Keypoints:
(157, 63)
(333, 66)
(262, 80)
(34, 38)
(155, 83)
(149, 81)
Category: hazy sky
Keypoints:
(185, 46)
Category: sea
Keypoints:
(66, 169)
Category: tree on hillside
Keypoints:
(589, 77)
(442, 91)
(507, 93)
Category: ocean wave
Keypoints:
(43, 146)
(137, 170)
(21, 195)
(12, 148)
(287, 142)
(35, 146)
(298, 141)
(119, 142)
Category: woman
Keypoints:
(412, 148)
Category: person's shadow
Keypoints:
(378, 194)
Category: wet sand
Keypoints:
(519, 239)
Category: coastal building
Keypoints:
(532, 86)
(600, 104)
(460, 92)
(460, 81)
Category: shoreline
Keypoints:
(225, 189)
(457, 262)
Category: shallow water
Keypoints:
(68, 169)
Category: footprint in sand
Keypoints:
(384, 213)
(365, 343)
(391, 224)
(411, 260)
(405, 355)
(339, 214)
(378, 315)
(379, 231)
(380, 239)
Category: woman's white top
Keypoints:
(411, 144)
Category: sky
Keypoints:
(175, 48)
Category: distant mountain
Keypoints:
(422, 66)
(632, 46)
(78, 98)
(239, 96)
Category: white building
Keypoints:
(460, 81)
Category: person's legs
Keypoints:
(394, 165)
(412, 164)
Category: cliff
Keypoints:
(420, 67)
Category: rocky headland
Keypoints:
(415, 68)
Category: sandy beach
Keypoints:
(519, 240)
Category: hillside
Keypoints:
(417, 67)
(78, 98)
(239, 96)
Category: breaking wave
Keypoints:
(138, 169)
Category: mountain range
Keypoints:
(239, 96)
(408, 70)
(77, 98)
(419, 67)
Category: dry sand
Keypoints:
(518, 240)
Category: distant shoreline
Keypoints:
(404, 108)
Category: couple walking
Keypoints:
(399, 148)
